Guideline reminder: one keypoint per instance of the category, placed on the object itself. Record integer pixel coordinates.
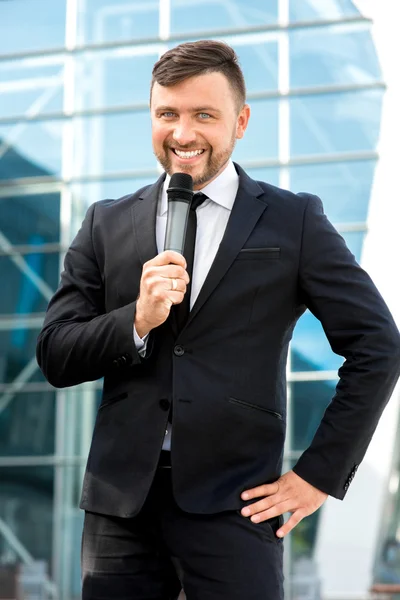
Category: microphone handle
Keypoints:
(178, 213)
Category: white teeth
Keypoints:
(188, 154)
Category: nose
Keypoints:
(183, 133)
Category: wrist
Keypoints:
(141, 327)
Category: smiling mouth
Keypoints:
(190, 154)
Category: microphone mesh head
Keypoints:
(180, 186)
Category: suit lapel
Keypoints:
(248, 207)
(144, 213)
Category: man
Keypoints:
(213, 521)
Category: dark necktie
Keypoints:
(182, 309)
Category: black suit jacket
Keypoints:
(225, 372)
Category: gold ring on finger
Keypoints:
(174, 284)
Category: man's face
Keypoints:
(195, 125)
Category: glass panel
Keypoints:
(84, 194)
(328, 55)
(32, 219)
(31, 25)
(22, 294)
(258, 57)
(387, 568)
(17, 354)
(344, 188)
(261, 138)
(310, 348)
(304, 568)
(268, 175)
(31, 86)
(26, 507)
(202, 15)
(30, 149)
(107, 21)
(335, 122)
(301, 10)
(115, 77)
(354, 241)
(27, 423)
(114, 143)
(309, 401)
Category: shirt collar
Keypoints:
(222, 190)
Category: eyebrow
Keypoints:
(195, 109)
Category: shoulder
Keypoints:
(288, 200)
(117, 204)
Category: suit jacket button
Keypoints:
(115, 362)
(164, 404)
(179, 351)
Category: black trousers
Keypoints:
(163, 549)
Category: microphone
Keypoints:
(180, 194)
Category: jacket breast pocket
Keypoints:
(259, 254)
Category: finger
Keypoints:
(175, 297)
(256, 507)
(268, 489)
(290, 524)
(168, 284)
(170, 271)
(168, 257)
(273, 511)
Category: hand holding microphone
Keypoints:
(164, 278)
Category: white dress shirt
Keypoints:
(212, 218)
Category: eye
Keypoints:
(167, 115)
(204, 116)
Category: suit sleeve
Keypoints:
(360, 328)
(79, 341)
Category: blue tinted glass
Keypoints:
(311, 349)
(33, 86)
(30, 149)
(26, 507)
(336, 54)
(344, 188)
(114, 77)
(301, 10)
(261, 138)
(354, 241)
(123, 143)
(258, 58)
(27, 423)
(84, 194)
(31, 25)
(31, 219)
(201, 15)
(309, 401)
(335, 122)
(23, 294)
(268, 175)
(106, 20)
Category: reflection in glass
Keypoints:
(302, 10)
(32, 219)
(309, 400)
(25, 294)
(26, 507)
(30, 149)
(115, 77)
(202, 15)
(261, 138)
(27, 423)
(330, 123)
(310, 348)
(32, 25)
(107, 21)
(31, 86)
(336, 54)
(344, 188)
(114, 143)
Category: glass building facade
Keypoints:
(74, 129)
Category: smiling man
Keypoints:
(183, 486)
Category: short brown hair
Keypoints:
(198, 58)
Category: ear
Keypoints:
(242, 121)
